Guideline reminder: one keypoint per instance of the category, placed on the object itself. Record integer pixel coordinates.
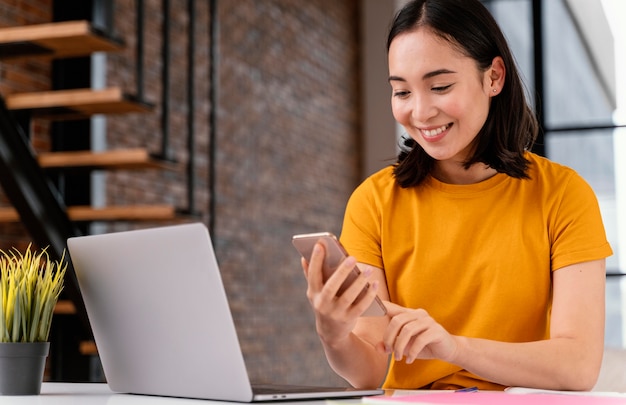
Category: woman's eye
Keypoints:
(441, 89)
(400, 94)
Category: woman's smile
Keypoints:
(434, 134)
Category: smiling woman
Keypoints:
(442, 109)
(477, 42)
(490, 258)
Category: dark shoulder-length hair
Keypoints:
(511, 126)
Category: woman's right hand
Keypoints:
(336, 316)
(349, 340)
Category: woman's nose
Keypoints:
(422, 109)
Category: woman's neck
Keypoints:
(455, 173)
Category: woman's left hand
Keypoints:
(414, 334)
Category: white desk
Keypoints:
(100, 394)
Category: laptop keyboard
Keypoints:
(272, 389)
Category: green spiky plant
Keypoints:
(30, 285)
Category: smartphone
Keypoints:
(335, 254)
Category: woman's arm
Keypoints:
(569, 360)
(349, 341)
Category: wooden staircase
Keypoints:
(75, 39)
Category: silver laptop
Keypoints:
(161, 319)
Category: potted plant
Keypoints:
(30, 284)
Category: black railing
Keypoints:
(34, 197)
(213, 98)
(191, 106)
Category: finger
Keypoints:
(344, 289)
(416, 345)
(393, 338)
(366, 300)
(397, 317)
(434, 342)
(414, 348)
(410, 341)
(353, 282)
(305, 267)
(391, 333)
(394, 309)
(361, 296)
(335, 282)
(314, 268)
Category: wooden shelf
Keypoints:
(76, 103)
(55, 40)
(123, 159)
(162, 212)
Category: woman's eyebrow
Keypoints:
(426, 76)
(437, 73)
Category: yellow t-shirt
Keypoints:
(477, 257)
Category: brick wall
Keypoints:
(287, 162)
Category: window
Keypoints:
(576, 74)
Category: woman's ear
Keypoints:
(496, 74)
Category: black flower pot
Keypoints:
(21, 367)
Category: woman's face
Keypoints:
(439, 95)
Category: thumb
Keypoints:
(393, 309)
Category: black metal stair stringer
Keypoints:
(33, 196)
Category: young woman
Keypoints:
(490, 259)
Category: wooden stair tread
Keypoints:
(55, 40)
(64, 307)
(121, 159)
(160, 212)
(76, 103)
(122, 213)
(88, 348)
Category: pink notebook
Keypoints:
(495, 398)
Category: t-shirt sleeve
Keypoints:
(360, 234)
(578, 233)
